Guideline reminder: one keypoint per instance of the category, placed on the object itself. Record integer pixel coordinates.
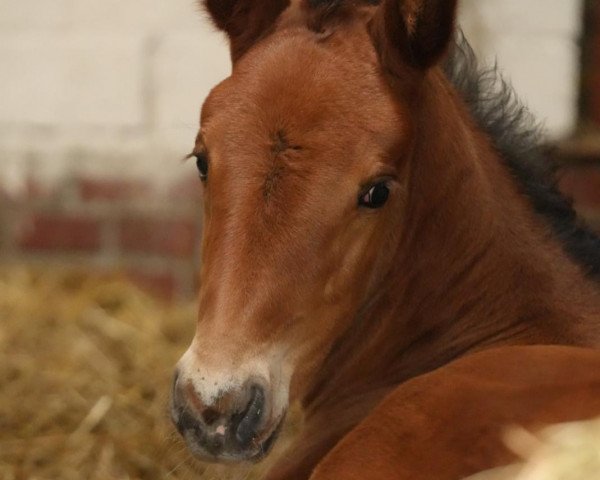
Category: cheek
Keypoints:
(358, 262)
(311, 353)
(354, 255)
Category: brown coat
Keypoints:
(448, 424)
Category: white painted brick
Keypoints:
(71, 79)
(534, 43)
(561, 17)
(136, 15)
(18, 15)
(88, 153)
(179, 140)
(544, 72)
(100, 15)
(188, 66)
(81, 87)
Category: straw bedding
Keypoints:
(569, 451)
(85, 370)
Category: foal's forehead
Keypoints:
(304, 85)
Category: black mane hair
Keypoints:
(332, 4)
(325, 10)
(518, 138)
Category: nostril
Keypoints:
(210, 416)
(250, 418)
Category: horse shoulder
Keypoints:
(448, 424)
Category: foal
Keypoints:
(367, 220)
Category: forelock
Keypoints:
(323, 11)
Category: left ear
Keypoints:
(416, 33)
(244, 21)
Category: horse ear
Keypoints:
(413, 32)
(244, 21)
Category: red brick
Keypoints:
(164, 237)
(57, 232)
(593, 88)
(162, 285)
(583, 185)
(91, 189)
(591, 64)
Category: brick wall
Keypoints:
(102, 86)
(129, 226)
(99, 101)
(590, 98)
(581, 182)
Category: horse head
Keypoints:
(303, 156)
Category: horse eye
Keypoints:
(375, 197)
(202, 164)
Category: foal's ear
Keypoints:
(413, 32)
(244, 21)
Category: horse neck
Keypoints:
(474, 268)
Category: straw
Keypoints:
(85, 369)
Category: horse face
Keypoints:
(301, 155)
(301, 201)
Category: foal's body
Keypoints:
(362, 228)
(450, 423)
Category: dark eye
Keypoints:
(375, 197)
(202, 164)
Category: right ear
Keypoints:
(245, 21)
(413, 33)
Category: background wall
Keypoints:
(537, 44)
(99, 101)
(91, 86)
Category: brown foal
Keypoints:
(361, 228)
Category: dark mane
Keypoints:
(324, 3)
(325, 10)
(517, 136)
(333, 4)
